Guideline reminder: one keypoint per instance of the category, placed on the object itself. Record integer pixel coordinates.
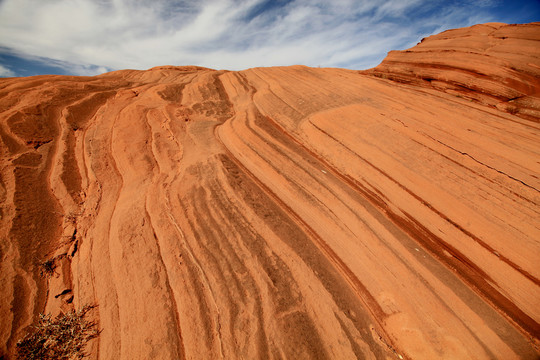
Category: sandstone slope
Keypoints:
(495, 64)
(284, 212)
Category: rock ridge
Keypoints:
(282, 212)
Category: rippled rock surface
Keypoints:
(285, 212)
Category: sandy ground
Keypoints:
(285, 212)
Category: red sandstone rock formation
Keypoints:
(284, 212)
(494, 64)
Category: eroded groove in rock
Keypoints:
(285, 212)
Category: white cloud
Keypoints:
(5, 72)
(87, 36)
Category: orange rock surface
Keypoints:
(494, 64)
(285, 212)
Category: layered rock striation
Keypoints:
(495, 64)
(285, 212)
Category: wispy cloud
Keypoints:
(5, 72)
(90, 36)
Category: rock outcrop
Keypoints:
(285, 212)
(495, 64)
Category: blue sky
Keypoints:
(88, 37)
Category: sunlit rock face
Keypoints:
(495, 64)
(285, 212)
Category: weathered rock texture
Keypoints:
(284, 212)
(495, 64)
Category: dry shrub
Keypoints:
(63, 337)
(47, 268)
